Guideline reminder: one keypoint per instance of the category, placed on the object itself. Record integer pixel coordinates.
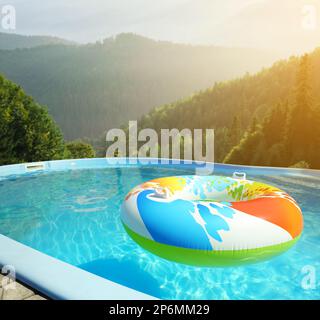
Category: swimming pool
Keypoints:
(70, 210)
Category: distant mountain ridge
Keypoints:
(11, 41)
(91, 88)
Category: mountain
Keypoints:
(235, 107)
(290, 26)
(11, 41)
(91, 88)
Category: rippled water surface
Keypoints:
(75, 216)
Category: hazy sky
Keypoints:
(273, 24)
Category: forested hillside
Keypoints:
(11, 41)
(290, 134)
(278, 106)
(28, 133)
(89, 89)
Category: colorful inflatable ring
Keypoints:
(211, 220)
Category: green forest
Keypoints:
(270, 118)
(290, 133)
(95, 87)
(28, 133)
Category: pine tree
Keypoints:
(314, 156)
(274, 124)
(234, 133)
(299, 130)
(254, 125)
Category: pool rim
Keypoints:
(74, 164)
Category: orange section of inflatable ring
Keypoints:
(281, 211)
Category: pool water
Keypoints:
(75, 216)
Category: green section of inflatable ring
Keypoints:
(203, 258)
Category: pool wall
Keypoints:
(60, 280)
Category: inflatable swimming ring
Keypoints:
(211, 220)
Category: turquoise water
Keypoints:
(75, 216)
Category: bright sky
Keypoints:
(89, 20)
(272, 24)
